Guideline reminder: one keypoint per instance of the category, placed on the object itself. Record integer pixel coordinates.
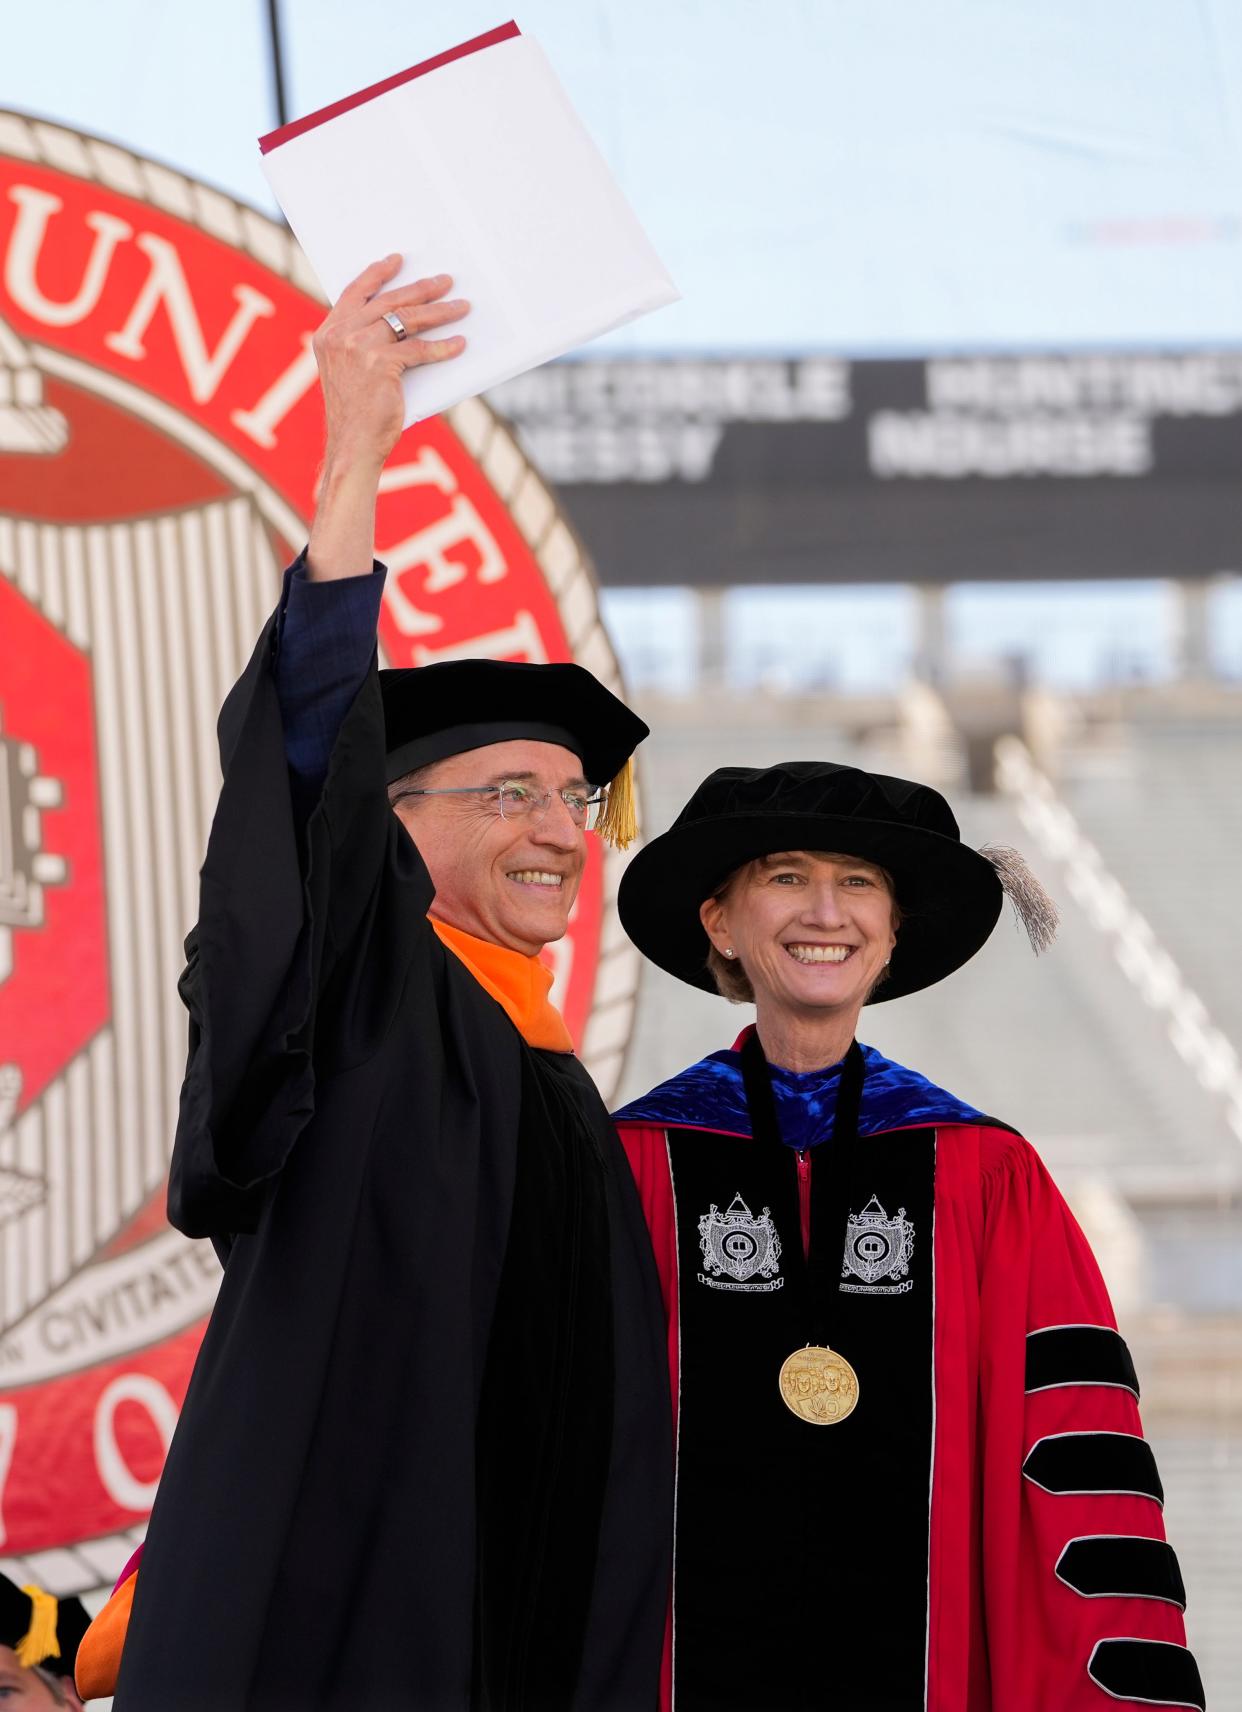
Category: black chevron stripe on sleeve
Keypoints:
(1157, 1673)
(1078, 1355)
(1094, 1463)
(1122, 1566)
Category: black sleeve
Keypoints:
(297, 957)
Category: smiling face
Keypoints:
(812, 930)
(512, 882)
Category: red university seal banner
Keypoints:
(160, 430)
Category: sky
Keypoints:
(866, 176)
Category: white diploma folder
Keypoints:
(472, 164)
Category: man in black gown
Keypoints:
(424, 1460)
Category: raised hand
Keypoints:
(362, 360)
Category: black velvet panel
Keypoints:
(1094, 1462)
(1078, 1355)
(801, 1567)
(1156, 1672)
(542, 1450)
(458, 700)
(1122, 1566)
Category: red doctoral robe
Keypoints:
(987, 1536)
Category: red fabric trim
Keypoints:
(957, 1661)
(698, 1129)
(647, 1151)
(296, 127)
(805, 1159)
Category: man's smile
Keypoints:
(539, 877)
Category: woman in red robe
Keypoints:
(910, 1466)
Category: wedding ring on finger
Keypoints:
(397, 324)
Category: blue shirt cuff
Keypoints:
(324, 645)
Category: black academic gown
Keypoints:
(425, 1457)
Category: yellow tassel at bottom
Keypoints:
(618, 824)
(39, 1642)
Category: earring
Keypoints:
(730, 952)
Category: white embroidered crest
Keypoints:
(877, 1248)
(739, 1249)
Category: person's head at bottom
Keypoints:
(811, 889)
(35, 1688)
(499, 770)
(39, 1638)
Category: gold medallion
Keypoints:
(819, 1385)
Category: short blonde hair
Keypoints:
(729, 974)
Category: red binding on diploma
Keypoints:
(295, 128)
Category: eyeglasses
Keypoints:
(519, 802)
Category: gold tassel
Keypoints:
(39, 1642)
(618, 821)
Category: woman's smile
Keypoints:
(803, 953)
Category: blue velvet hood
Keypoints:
(710, 1095)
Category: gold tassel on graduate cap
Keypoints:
(40, 1641)
(40, 1630)
(618, 821)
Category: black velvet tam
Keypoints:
(431, 712)
(950, 895)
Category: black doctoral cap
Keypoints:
(431, 712)
(41, 1629)
(950, 895)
